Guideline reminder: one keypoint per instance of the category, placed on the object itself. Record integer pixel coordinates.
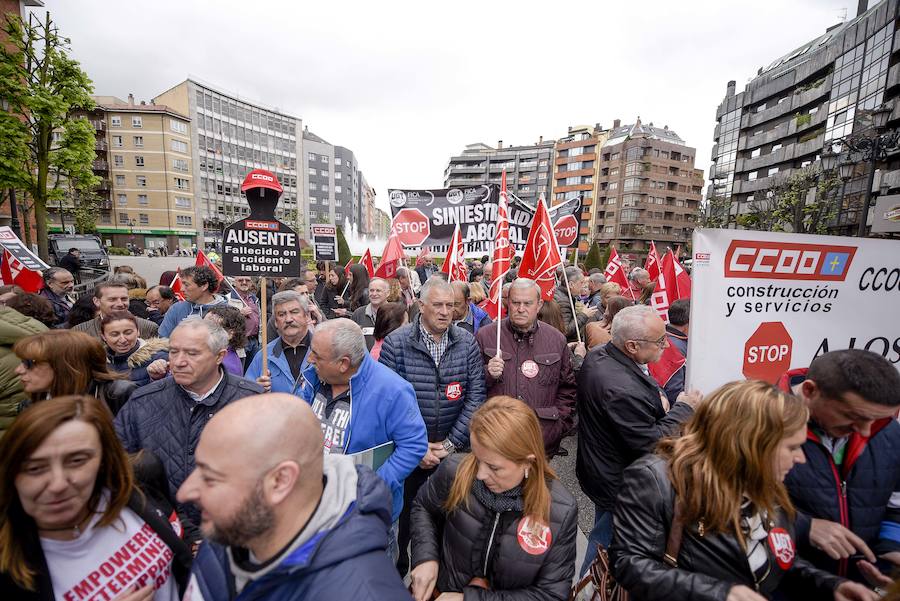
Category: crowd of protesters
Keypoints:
(369, 438)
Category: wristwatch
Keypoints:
(449, 446)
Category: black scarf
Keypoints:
(510, 500)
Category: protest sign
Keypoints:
(260, 245)
(429, 217)
(19, 251)
(763, 303)
(324, 238)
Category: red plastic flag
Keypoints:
(390, 258)
(424, 255)
(668, 365)
(682, 279)
(652, 264)
(14, 272)
(455, 265)
(176, 286)
(541, 256)
(616, 274)
(366, 260)
(503, 253)
(203, 260)
(347, 267)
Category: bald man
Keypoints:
(281, 518)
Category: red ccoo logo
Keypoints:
(788, 261)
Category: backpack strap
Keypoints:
(673, 544)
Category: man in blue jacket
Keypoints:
(361, 404)
(282, 522)
(847, 493)
(443, 363)
(199, 284)
(287, 353)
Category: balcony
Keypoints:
(99, 165)
(99, 124)
(528, 166)
(103, 185)
(105, 205)
(101, 145)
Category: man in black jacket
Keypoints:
(847, 493)
(72, 262)
(623, 412)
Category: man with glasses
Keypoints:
(534, 363)
(623, 412)
(159, 300)
(58, 286)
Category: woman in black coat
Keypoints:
(359, 286)
(336, 296)
(72, 521)
(496, 523)
(726, 473)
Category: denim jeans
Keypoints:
(601, 533)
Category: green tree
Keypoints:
(344, 253)
(604, 259)
(805, 203)
(44, 146)
(717, 213)
(593, 257)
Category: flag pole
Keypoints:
(571, 303)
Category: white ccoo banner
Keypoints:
(764, 303)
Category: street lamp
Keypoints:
(829, 160)
(871, 149)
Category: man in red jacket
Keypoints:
(534, 363)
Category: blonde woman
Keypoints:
(726, 474)
(496, 520)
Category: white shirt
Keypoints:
(104, 562)
(198, 398)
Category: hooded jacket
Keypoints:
(856, 495)
(341, 553)
(13, 327)
(447, 394)
(137, 359)
(709, 563)
(383, 409)
(183, 309)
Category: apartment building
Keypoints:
(806, 101)
(528, 168)
(575, 170)
(231, 137)
(143, 155)
(647, 189)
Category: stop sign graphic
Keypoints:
(412, 227)
(566, 230)
(767, 353)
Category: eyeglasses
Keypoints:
(661, 343)
(29, 363)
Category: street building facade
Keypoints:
(528, 168)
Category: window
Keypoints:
(115, 121)
(313, 186)
(137, 122)
(312, 156)
(138, 141)
(337, 161)
(324, 187)
(324, 159)
(138, 161)
(337, 175)
(118, 160)
(182, 184)
(752, 176)
(312, 200)
(775, 147)
(178, 126)
(142, 199)
(608, 229)
(179, 146)
(120, 180)
(123, 218)
(613, 186)
(324, 172)
(141, 181)
(773, 170)
(122, 199)
(183, 220)
(144, 218)
(105, 217)
(337, 189)
(117, 141)
(611, 200)
(182, 202)
(179, 164)
(755, 153)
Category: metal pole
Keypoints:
(14, 214)
(861, 232)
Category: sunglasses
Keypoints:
(29, 363)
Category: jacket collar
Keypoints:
(213, 398)
(415, 335)
(278, 348)
(614, 353)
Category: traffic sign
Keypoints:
(767, 353)
(412, 227)
(566, 230)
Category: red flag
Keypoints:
(682, 279)
(347, 267)
(455, 265)
(503, 253)
(652, 265)
(541, 256)
(366, 260)
(176, 287)
(14, 272)
(668, 365)
(616, 274)
(424, 255)
(203, 260)
(390, 257)
(666, 291)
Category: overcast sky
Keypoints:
(405, 85)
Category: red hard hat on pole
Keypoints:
(260, 178)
